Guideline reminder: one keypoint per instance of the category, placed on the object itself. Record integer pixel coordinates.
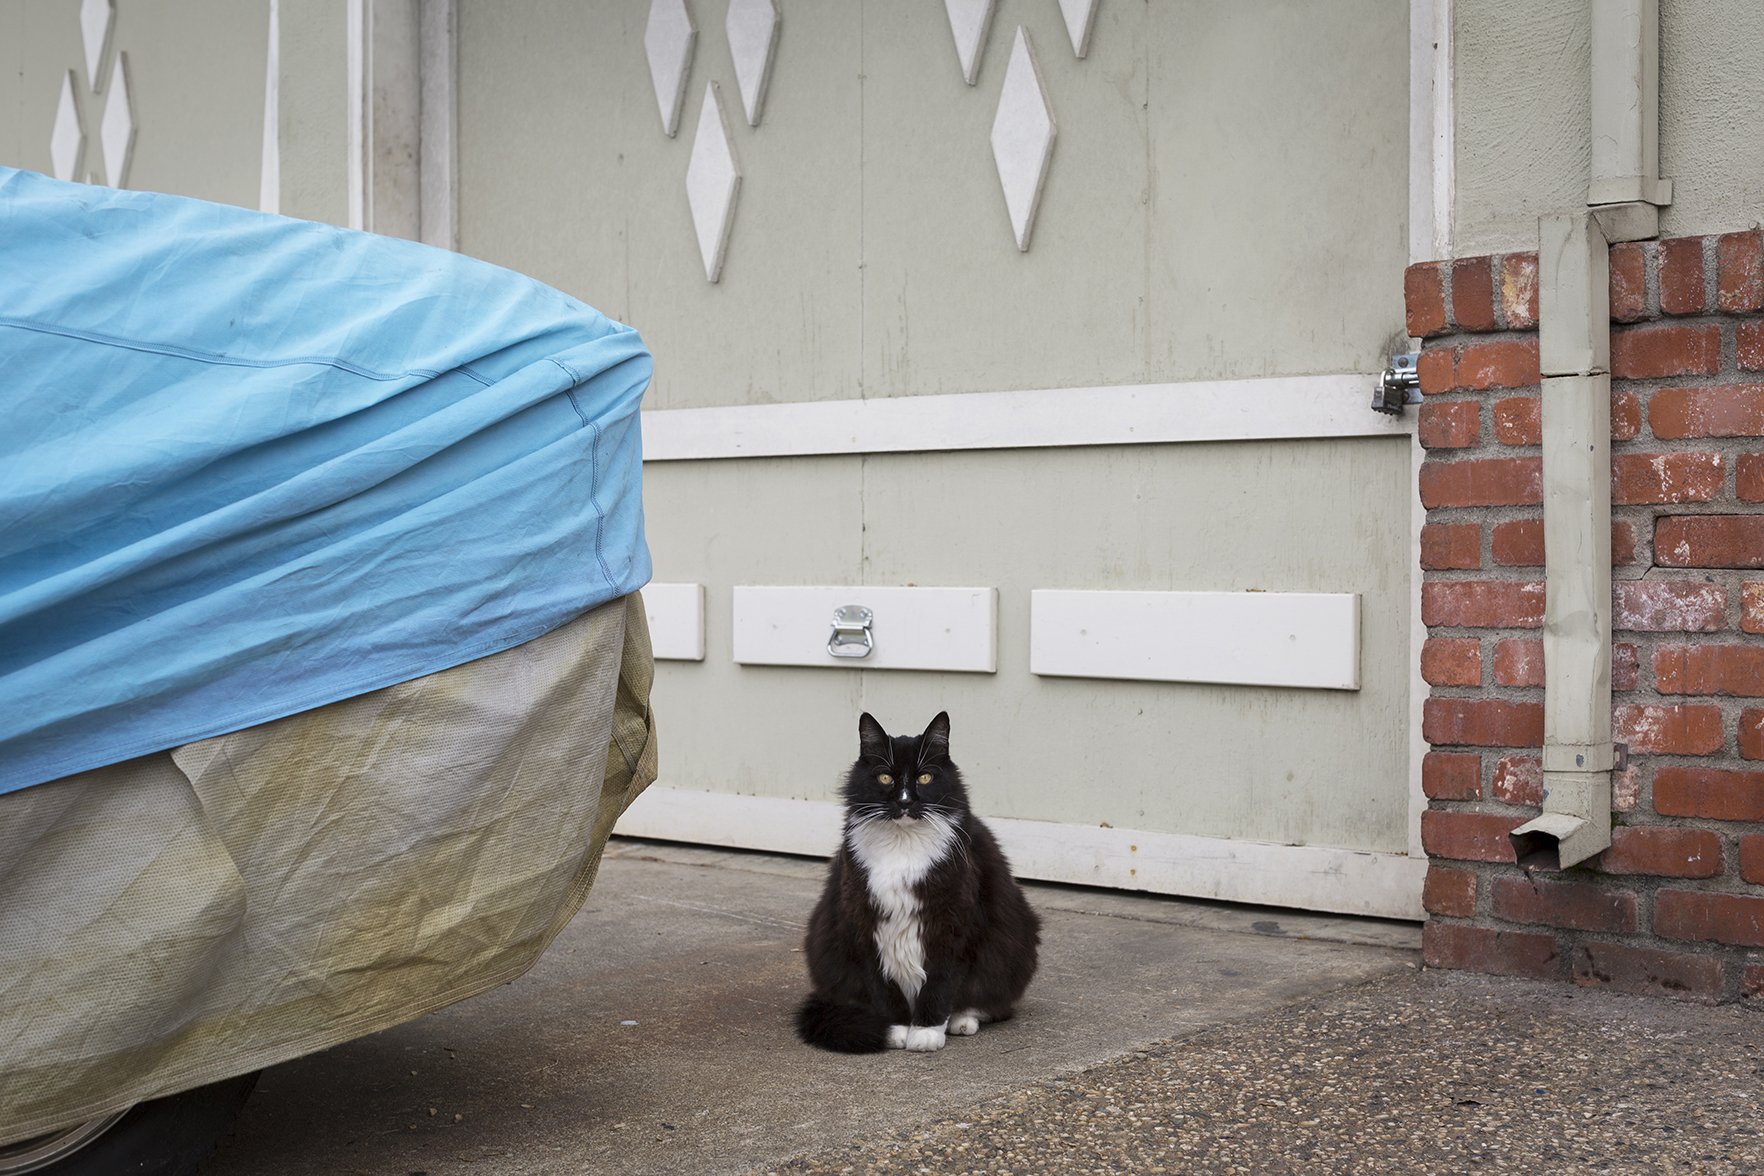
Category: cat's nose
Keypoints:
(904, 799)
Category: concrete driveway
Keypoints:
(654, 1036)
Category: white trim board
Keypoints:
(1301, 639)
(437, 124)
(914, 628)
(1430, 237)
(676, 620)
(1305, 877)
(1275, 408)
(1432, 196)
(1418, 686)
(383, 55)
(269, 177)
(1432, 173)
(356, 63)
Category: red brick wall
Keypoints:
(1676, 905)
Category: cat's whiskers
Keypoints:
(863, 814)
(945, 819)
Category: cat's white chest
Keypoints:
(896, 858)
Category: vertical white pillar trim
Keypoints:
(385, 116)
(1431, 195)
(269, 192)
(359, 88)
(437, 162)
(1445, 170)
(394, 118)
(1431, 169)
(1418, 687)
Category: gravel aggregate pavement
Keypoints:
(1161, 1035)
(1418, 1072)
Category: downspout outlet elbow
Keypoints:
(1576, 821)
(1555, 841)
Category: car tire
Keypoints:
(168, 1136)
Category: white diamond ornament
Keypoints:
(668, 41)
(117, 132)
(95, 21)
(968, 22)
(1022, 138)
(712, 179)
(67, 142)
(1079, 14)
(752, 28)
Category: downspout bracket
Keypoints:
(1585, 757)
(1634, 220)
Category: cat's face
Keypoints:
(904, 778)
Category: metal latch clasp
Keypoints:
(851, 632)
(1400, 385)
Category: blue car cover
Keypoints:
(251, 465)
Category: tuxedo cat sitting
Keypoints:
(921, 931)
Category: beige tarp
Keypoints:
(233, 903)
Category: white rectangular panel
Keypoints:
(1305, 639)
(676, 620)
(912, 629)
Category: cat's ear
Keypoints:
(936, 738)
(871, 737)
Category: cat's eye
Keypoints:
(884, 779)
(925, 779)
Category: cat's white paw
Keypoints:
(897, 1037)
(925, 1038)
(965, 1024)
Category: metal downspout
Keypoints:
(1574, 354)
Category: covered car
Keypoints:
(323, 672)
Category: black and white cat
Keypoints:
(921, 931)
